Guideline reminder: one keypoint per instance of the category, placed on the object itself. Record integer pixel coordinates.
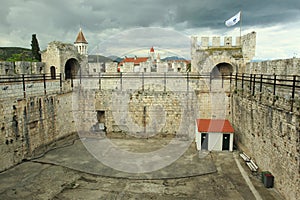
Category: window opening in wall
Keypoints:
(15, 125)
(154, 68)
(101, 116)
(53, 72)
(100, 124)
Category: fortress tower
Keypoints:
(212, 57)
(81, 44)
(66, 59)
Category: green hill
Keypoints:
(15, 53)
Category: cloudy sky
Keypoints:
(277, 22)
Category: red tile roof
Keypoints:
(214, 126)
(135, 60)
(152, 49)
(80, 38)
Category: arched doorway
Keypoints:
(53, 72)
(71, 68)
(222, 69)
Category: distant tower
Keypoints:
(152, 54)
(81, 43)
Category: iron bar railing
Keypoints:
(248, 83)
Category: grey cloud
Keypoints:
(192, 13)
(60, 20)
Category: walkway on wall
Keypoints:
(283, 89)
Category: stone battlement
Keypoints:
(227, 41)
(211, 51)
(216, 42)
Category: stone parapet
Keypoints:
(271, 137)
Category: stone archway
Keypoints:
(72, 68)
(222, 69)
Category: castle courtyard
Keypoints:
(69, 171)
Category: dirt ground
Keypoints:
(60, 174)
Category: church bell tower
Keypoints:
(81, 44)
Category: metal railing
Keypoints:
(248, 83)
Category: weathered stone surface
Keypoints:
(57, 55)
(205, 56)
(279, 67)
(29, 125)
(63, 179)
(270, 136)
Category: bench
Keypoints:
(250, 163)
(253, 167)
(245, 157)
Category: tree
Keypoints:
(35, 48)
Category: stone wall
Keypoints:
(154, 103)
(249, 46)
(21, 67)
(278, 67)
(145, 112)
(29, 125)
(15, 90)
(270, 135)
(267, 126)
(151, 102)
(111, 67)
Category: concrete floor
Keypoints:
(72, 173)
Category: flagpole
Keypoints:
(241, 19)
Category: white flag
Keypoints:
(233, 20)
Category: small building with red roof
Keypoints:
(214, 135)
(135, 60)
(152, 63)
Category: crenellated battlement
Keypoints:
(227, 41)
(218, 42)
(210, 51)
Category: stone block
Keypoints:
(238, 41)
(216, 41)
(228, 41)
(204, 41)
